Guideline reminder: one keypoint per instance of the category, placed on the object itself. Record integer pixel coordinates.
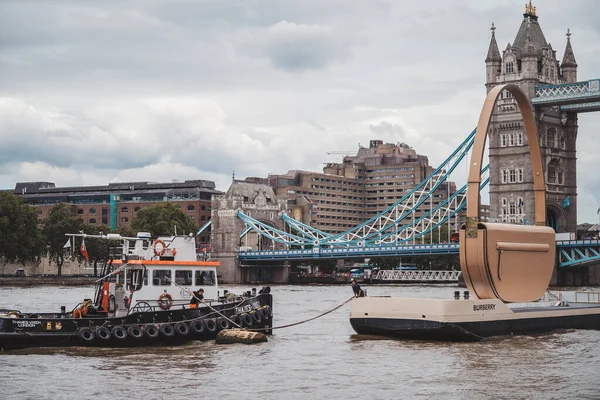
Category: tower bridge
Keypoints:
(255, 235)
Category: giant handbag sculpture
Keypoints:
(513, 263)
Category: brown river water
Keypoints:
(322, 359)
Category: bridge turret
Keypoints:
(493, 61)
(569, 65)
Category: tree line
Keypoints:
(23, 237)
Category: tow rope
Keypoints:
(266, 329)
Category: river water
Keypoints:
(322, 359)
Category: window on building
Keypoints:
(136, 209)
(202, 208)
(503, 140)
(551, 137)
(92, 221)
(520, 175)
(511, 139)
(124, 209)
(512, 176)
(92, 211)
(205, 278)
(105, 211)
(559, 176)
(183, 278)
(504, 175)
(161, 277)
(504, 202)
(520, 139)
(80, 212)
(551, 173)
(124, 219)
(191, 207)
(520, 205)
(510, 67)
(512, 208)
(202, 218)
(563, 142)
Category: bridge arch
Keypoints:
(555, 217)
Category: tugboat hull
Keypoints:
(466, 320)
(143, 328)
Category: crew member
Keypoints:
(197, 298)
(358, 292)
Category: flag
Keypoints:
(67, 245)
(84, 251)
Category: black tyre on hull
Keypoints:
(167, 330)
(135, 332)
(119, 333)
(103, 333)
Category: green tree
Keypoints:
(163, 219)
(20, 237)
(60, 221)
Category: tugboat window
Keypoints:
(183, 278)
(159, 277)
(205, 278)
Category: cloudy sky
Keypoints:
(93, 92)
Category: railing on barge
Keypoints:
(416, 276)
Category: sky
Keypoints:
(93, 92)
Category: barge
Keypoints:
(473, 319)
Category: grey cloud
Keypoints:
(260, 78)
(388, 129)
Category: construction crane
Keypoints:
(329, 153)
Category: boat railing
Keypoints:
(592, 297)
(587, 297)
(154, 305)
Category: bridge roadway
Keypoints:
(577, 97)
(569, 252)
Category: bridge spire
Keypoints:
(493, 51)
(569, 65)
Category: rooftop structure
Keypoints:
(346, 194)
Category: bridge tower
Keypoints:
(531, 61)
(259, 202)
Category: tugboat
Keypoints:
(143, 299)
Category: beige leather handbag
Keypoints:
(510, 262)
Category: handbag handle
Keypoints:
(539, 187)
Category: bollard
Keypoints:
(253, 291)
(456, 295)
(466, 295)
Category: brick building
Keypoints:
(115, 204)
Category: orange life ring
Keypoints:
(162, 249)
(165, 301)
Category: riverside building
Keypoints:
(115, 204)
(348, 193)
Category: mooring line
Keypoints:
(304, 321)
